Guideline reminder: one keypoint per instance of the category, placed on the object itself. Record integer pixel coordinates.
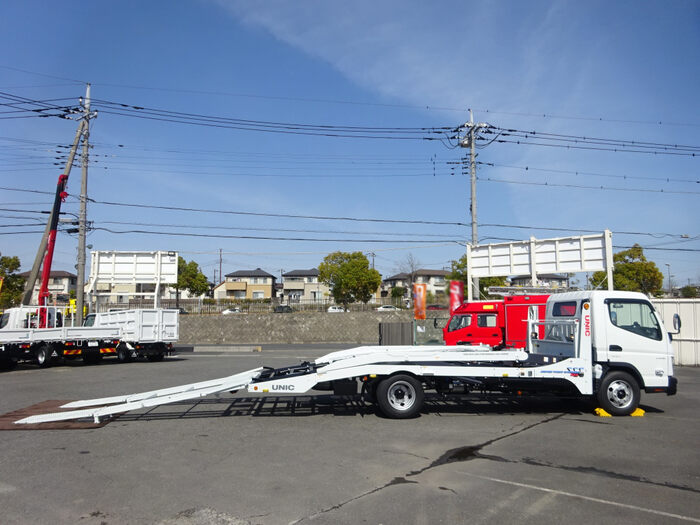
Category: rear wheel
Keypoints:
(619, 393)
(400, 396)
(123, 354)
(43, 356)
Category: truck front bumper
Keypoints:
(670, 390)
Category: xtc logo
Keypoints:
(283, 387)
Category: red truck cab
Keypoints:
(494, 323)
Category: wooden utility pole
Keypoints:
(82, 218)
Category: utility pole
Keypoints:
(82, 218)
(670, 289)
(470, 142)
(221, 275)
(372, 255)
(34, 273)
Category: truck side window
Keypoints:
(564, 309)
(458, 322)
(634, 316)
(486, 320)
(4, 320)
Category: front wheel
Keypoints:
(619, 394)
(400, 396)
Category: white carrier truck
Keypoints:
(601, 345)
(125, 334)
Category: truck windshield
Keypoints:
(458, 322)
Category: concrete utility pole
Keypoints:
(82, 218)
(34, 273)
(470, 142)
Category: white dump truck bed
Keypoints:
(155, 325)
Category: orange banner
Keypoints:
(419, 293)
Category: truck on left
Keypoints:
(43, 334)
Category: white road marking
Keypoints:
(587, 498)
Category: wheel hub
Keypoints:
(620, 394)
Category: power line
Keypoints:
(251, 228)
(254, 237)
(586, 173)
(581, 187)
(281, 215)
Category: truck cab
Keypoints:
(497, 324)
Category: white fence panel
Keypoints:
(687, 343)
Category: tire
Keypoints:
(155, 357)
(619, 394)
(123, 354)
(400, 396)
(43, 356)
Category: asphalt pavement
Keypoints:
(242, 459)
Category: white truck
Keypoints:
(143, 332)
(602, 345)
(125, 334)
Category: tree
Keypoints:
(459, 273)
(189, 278)
(633, 272)
(689, 292)
(12, 284)
(349, 277)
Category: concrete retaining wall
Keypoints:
(292, 328)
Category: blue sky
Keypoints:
(622, 70)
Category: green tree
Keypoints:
(689, 292)
(633, 273)
(397, 293)
(459, 273)
(190, 278)
(12, 284)
(349, 277)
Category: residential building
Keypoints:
(302, 286)
(246, 284)
(435, 281)
(61, 284)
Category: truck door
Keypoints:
(487, 330)
(458, 330)
(634, 335)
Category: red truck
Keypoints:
(498, 324)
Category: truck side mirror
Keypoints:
(677, 322)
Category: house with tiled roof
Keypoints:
(303, 286)
(246, 284)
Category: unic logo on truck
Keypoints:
(283, 387)
(587, 320)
